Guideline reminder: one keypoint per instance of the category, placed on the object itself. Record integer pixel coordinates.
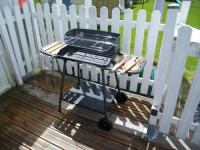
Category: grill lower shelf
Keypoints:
(89, 95)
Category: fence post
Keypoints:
(175, 77)
(160, 79)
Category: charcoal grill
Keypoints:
(97, 48)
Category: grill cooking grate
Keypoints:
(91, 41)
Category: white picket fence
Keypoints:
(25, 33)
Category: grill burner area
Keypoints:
(91, 39)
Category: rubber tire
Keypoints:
(121, 97)
(105, 124)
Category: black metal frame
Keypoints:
(78, 70)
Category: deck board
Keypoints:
(28, 122)
(30, 106)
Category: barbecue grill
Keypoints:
(97, 48)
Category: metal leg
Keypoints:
(104, 91)
(117, 82)
(62, 84)
(104, 123)
(52, 70)
(121, 97)
(78, 72)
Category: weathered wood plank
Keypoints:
(32, 125)
(24, 136)
(32, 102)
(7, 142)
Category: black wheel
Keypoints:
(121, 97)
(105, 124)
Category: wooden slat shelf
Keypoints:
(27, 122)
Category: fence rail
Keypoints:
(23, 34)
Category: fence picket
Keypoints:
(64, 20)
(47, 17)
(140, 28)
(103, 27)
(115, 28)
(175, 77)
(126, 42)
(151, 47)
(115, 20)
(93, 25)
(14, 40)
(104, 19)
(40, 17)
(35, 29)
(9, 50)
(190, 106)
(57, 23)
(73, 25)
(82, 15)
(72, 14)
(23, 39)
(30, 34)
(164, 58)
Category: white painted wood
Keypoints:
(127, 31)
(82, 17)
(114, 28)
(40, 18)
(126, 40)
(196, 136)
(35, 33)
(185, 7)
(140, 27)
(92, 18)
(5, 64)
(57, 23)
(115, 20)
(64, 20)
(30, 34)
(93, 25)
(73, 25)
(82, 14)
(190, 106)
(9, 51)
(73, 21)
(48, 23)
(23, 39)
(164, 58)
(175, 77)
(139, 38)
(14, 40)
(103, 19)
(151, 47)
(103, 27)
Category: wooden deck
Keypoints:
(29, 120)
